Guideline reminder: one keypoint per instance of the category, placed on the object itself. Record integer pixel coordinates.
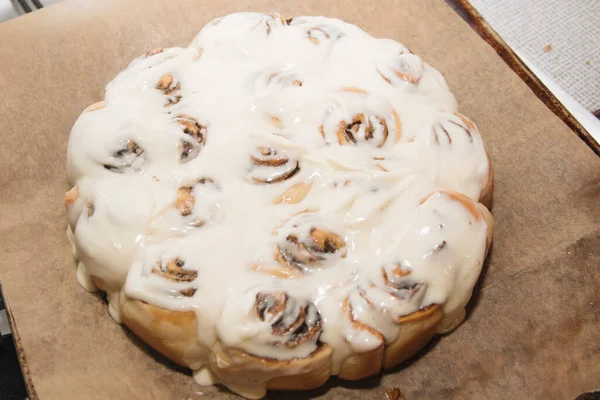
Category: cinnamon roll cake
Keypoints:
(282, 201)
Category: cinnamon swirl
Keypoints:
(266, 215)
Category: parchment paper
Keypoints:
(534, 325)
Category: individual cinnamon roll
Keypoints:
(477, 210)
(270, 165)
(384, 311)
(282, 351)
(478, 215)
(367, 362)
(171, 333)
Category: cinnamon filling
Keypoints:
(372, 129)
(197, 137)
(439, 130)
(323, 241)
(465, 201)
(271, 165)
(299, 322)
(323, 33)
(130, 157)
(188, 292)
(401, 286)
(167, 85)
(367, 124)
(90, 208)
(467, 127)
(304, 253)
(314, 34)
(185, 200)
(174, 270)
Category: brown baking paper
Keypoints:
(533, 329)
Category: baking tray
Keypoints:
(487, 33)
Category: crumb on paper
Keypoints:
(548, 48)
(394, 394)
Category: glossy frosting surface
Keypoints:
(279, 173)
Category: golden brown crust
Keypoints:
(362, 365)
(416, 330)
(251, 376)
(316, 367)
(365, 364)
(174, 334)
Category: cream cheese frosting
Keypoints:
(275, 177)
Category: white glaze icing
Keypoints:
(203, 376)
(250, 80)
(84, 278)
